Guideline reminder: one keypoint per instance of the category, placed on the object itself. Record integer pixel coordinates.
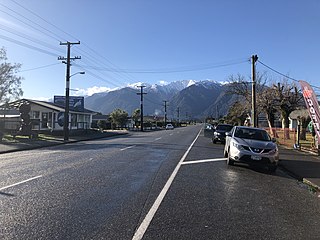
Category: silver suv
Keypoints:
(252, 146)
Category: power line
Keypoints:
(30, 24)
(35, 14)
(96, 76)
(286, 76)
(56, 35)
(27, 37)
(27, 45)
(31, 69)
(168, 70)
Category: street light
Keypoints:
(77, 73)
(66, 111)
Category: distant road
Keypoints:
(170, 184)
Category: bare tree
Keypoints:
(238, 85)
(242, 87)
(237, 113)
(266, 104)
(288, 98)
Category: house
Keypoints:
(46, 115)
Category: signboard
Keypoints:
(61, 119)
(75, 103)
(312, 105)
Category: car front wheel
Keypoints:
(229, 160)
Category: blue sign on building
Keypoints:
(75, 103)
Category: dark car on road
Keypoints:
(219, 134)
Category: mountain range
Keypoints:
(192, 99)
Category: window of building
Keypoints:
(35, 115)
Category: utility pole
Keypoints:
(217, 113)
(66, 111)
(178, 114)
(165, 112)
(254, 118)
(141, 106)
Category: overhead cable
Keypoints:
(286, 76)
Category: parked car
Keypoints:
(251, 146)
(219, 134)
(208, 130)
(169, 126)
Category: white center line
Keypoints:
(147, 220)
(122, 149)
(28, 180)
(204, 160)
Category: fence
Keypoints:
(289, 137)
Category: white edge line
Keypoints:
(147, 220)
(122, 149)
(204, 161)
(28, 180)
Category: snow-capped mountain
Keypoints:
(195, 97)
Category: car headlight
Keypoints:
(216, 133)
(238, 146)
(275, 150)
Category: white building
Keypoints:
(45, 116)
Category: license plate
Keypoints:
(255, 157)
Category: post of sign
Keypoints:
(311, 101)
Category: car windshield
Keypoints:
(255, 134)
(226, 128)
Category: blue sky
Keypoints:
(127, 41)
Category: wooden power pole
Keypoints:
(254, 118)
(67, 61)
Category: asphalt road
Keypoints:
(153, 185)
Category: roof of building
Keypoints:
(49, 105)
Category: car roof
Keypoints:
(245, 127)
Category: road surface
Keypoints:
(170, 184)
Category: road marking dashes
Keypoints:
(204, 161)
(15, 184)
(122, 149)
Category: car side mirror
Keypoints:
(274, 140)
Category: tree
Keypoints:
(242, 87)
(237, 114)
(266, 104)
(288, 98)
(102, 125)
(136, 116)
(10, 83)
(119, 118)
